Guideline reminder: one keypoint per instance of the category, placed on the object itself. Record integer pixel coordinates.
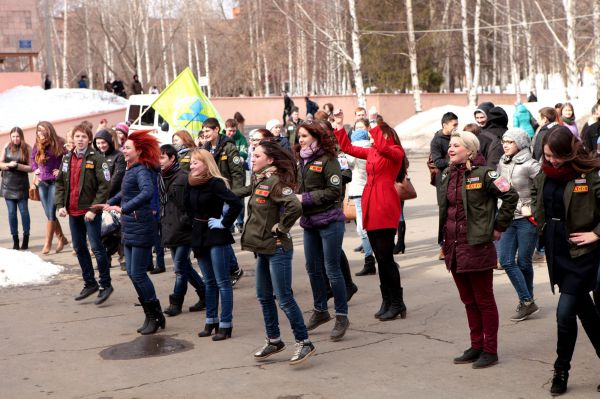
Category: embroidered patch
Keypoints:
(473, 179)
(89, 162)
(287, 191)
(186, 160)
(493, 174)
(65, 167)
(335, 180)
(318, 162)
(580, 181)
(581, 189)
(502, 184)
(104, 166)
(236, 160)
(343, 162)
(261, 200)
(263, 193)
(89, 166)
(474, 186)
(223, 157)
(106, 173)
(264, 187)
(316, 168)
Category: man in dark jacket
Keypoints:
(136, 86)
(288, 104)
(103, 142)
(82, 182)
(311, 106)
(439, 156)
(291, 127)
(490, 139)
(591, 131)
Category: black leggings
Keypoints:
(382, 242)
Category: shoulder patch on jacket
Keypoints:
(236, 160)
(502, 184)
(493, 174)
(287, 191)
(335, 180)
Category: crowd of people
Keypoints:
(505, 195)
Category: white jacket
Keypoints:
(359, 171)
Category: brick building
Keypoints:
(19, 35)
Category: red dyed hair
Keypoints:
(148, 147)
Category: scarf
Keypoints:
(313, 148)
(198, 180)
(166, 174)
(562, 174)
(568, 121)
(264, 173)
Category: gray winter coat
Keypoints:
(519, 171)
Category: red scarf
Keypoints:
(562, 174)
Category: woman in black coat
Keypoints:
(207, 194)
(566, 204)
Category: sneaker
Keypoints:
(318, 318)
(103, 294)
(485, 360)
(86, 291)
(524, 310)
(468, 356)
(236, 275)
(303, 351)
(270, 348)
(339, 330)
(559, 382)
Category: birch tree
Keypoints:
(511, 51)
(529, 48)
(472, 78)
(412, 54)
(65, 53)
(357, 57)
(596, 20)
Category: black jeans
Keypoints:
(569, 308)
(382, 242)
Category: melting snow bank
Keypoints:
(24, 106)
(23, 268)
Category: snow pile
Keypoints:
(22, 268)
(25, 106)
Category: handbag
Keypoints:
(34, 193)
(405, 189)
(349, 209)
(433, 170)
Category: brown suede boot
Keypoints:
(49, 235)
(62, 240)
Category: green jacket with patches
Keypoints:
(582, 207)
(228, 160)
(320, 183)
(240, 142)
(480, 196)
(94, 182)
(270, 203)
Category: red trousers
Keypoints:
(477, 293)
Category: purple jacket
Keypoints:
(45, 170)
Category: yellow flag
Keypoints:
(184, 105)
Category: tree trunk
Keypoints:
(466, 51)
(49, 61)
(494, 50)
(529, 49)
(596, 20)
(65, 76)
(208, 90)
(412, 54)
(146, 34)
(571, 49)
(511, 52)
(289, 49)
(88, 49)
(163, 44)
(357, 57)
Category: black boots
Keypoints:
(385, 302)
(25, 243)
(15, 242)
(175, 304)
(222, 334)
(154, 318)
(200, 305)
(596, 295)
(397, 307)
(559, 382)
(400, 247)
(368, 268)
(208, 329)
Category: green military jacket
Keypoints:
(229, 161)
(94, 182)
(270, 203)
(185, 160)
(291, 131)
(482, 187)
(320, 182)
(582, 207)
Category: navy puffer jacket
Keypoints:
(137, 220)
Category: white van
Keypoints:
(138, 104)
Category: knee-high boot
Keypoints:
(351, 288)
(400, 247)
(62, 240)
(596, 294)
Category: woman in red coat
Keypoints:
(381, 207)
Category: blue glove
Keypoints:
(225, 209)
(215, 223)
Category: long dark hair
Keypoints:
(283, 161)
(566, 147)
(23, 147)
(53, 143)
(323, 137)
(388, 132)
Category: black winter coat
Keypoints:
(205, 202)
(176, 224)
(115, 160)
(439, 155)
(491, 136)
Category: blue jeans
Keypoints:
(47, 190)
(184, 271)
(136, 264)
(158, 248)
(322, 247)
(79, 229)
(240, 219)
(12, 205)
(214, 266)
(520, 236)
(362, 233)
(231, 258)
(274, 280)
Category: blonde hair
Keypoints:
(207, 159)
(470, 142)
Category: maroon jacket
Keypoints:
(459, 255)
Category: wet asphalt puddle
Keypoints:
(146, 346)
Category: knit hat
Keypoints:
(359, 134)
(122, 127)
(272, 123)
(519, 136)
(484, 107)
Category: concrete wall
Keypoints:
(394, 107)
(64, 125)
(8, 80)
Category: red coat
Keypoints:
(380, 203)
